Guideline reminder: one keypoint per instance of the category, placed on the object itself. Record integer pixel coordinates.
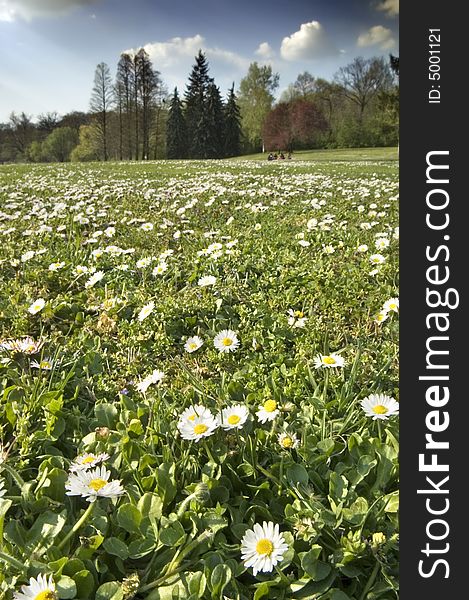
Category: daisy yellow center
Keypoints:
(191, 418)
(97, 484)
(46, 595)
(264, 547)
(234, 419)
(270, 405)
(287, 442)
(45, 364)
(379, 409)
(329, 360)
(193, 346)
(200, 428)
(380, 317)
(88, 460)
(227, 341)
(392, 306)
(298, 314)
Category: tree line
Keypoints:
(132, 117)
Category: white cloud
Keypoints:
(377, 36)
(265, 51)
(309, 42)
(11, 10)
(177, 50)
(390, 7)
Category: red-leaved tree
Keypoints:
(292, 125)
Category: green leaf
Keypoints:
(116, 547)
(392, 502)
(173, 535)
(219, 579)
(140, 548)
(66, 588)
(84, 581)
(337, 487)
(106, 414)
(261, 592)
(338, 595)
(109, 591)
(197, 584)
(313, 567)
(129, 517)
(326, 446)
(44, 532)
(297, 474)
(166, 484)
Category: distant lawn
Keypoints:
(340, 154)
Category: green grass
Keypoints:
(339, 154)
(292, 250)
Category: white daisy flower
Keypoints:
(296, 318)
(267, 411)
(26, 345)
(45, 364)
(55, 266)
(377, 259)
(146, 311)
(27, 255)
(93, 280)
(288, 441)
(87, 461)
(373, 272)
(207, 280)
(147, 226)
(391, 305)
(41, 588)
(160, 269)
(233, 417)
(93, 484)
(381, 317)
(226, 341)
(304, 243)
(197, 428)
(194, 411)
(362, 248)
(193, 343)
(379, 406)
(263, 547)
(37, 306)
(155, 377)
(143, 262)
(80, 270)
(329, 249)
(329, 361)
(382, 243)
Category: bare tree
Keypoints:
(22, 132)
(102, 99)
(362, 80)
(124, 93)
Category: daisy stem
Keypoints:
(81, 521)
(370, 581)
(379, 429)
(209, 453)
(280, 475)
(326, 385)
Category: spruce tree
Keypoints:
(215, 122)
(196, 97)
(232, 133)
(176, 131)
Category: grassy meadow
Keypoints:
(191, 348)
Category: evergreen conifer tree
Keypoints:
(196, 98)
(232, 133)
(176, 132)
(215, 122)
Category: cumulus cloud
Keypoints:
(265, 51)
(178, 49)
(377, 36)
(11, 10)
(390, 7)
(309, 42)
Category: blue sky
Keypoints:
(50, 48)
